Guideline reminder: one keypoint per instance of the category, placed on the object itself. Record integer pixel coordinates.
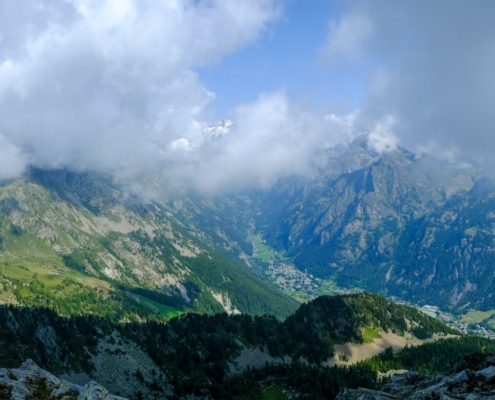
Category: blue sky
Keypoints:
(287, 57)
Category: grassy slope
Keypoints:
(167, 311)
(45, 228)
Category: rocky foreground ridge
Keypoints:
(473, 379)
(29, 381)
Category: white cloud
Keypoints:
(218, 129)
(12, 162)
(181, 144)
(430, 64)
(348, 125)
(382, 138)
(347, 37)
(109, 84)
(272, 137)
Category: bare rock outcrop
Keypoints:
(474, 379)
(29, 381)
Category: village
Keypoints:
(289, 278)
(450, 320)
(306, 286)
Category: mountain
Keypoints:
(93, 265)
(445, 256)
(395, 223)
(330, 221)
(378, 221)
(222, 356)
(86, 243)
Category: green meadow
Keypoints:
(264, 252)
(167, 311)
(475, 317)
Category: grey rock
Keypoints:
(459, 378)
(488, 373)
(67, 389)
(31, 381)
(471, 383)
(365, 394)
(94, 391)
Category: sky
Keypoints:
(122, 85)
(286, 57)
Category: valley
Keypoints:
(245, 200)
(223, 283)
(360, 226)
(65, 231)
(304, 286)
(397, 224)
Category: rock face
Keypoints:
(474, 379)
(29, 381)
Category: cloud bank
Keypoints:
(270, 138)
(111, 84)
(431, 65)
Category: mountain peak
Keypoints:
(361, 141)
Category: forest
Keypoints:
(195, 353)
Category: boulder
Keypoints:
(94, 391)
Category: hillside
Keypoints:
(66, 237)
(445, 256)
(203, 354)
(367, 220)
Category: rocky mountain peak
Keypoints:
(360, 141)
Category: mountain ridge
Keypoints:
(352, 224)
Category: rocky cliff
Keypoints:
(29, 381)
(473, 379)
